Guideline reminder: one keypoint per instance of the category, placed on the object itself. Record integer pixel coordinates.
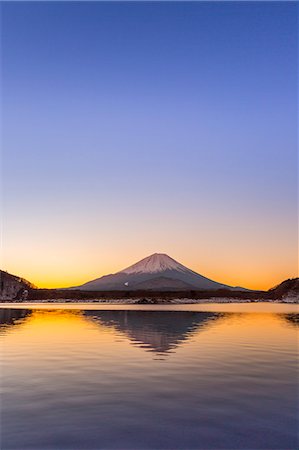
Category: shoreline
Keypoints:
(148, 301)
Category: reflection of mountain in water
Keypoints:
(157, 331)
(10, 317)
(292, 318)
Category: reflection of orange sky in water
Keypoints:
(53, 327)
(253, 328)
(57, 331)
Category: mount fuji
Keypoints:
(155, 272)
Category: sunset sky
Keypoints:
(135, 128)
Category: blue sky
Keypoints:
(131, 128)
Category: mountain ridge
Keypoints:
(144, 272)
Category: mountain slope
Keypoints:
(12, 287)
(157, 271)
(288, 290)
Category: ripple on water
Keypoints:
(148, 379)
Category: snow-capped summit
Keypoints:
(158, 272)
(158, 262)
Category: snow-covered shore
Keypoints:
(154, 301)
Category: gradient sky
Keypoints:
(134, 128)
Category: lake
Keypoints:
(149, 377)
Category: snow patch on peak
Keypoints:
(158, 262)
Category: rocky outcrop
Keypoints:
(13, 287)
(287, 291)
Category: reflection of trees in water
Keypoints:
(11, 317)
(292, 318)
(157, 331)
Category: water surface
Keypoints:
(149, 377)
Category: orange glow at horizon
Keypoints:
(242, 252)
(51, 276)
